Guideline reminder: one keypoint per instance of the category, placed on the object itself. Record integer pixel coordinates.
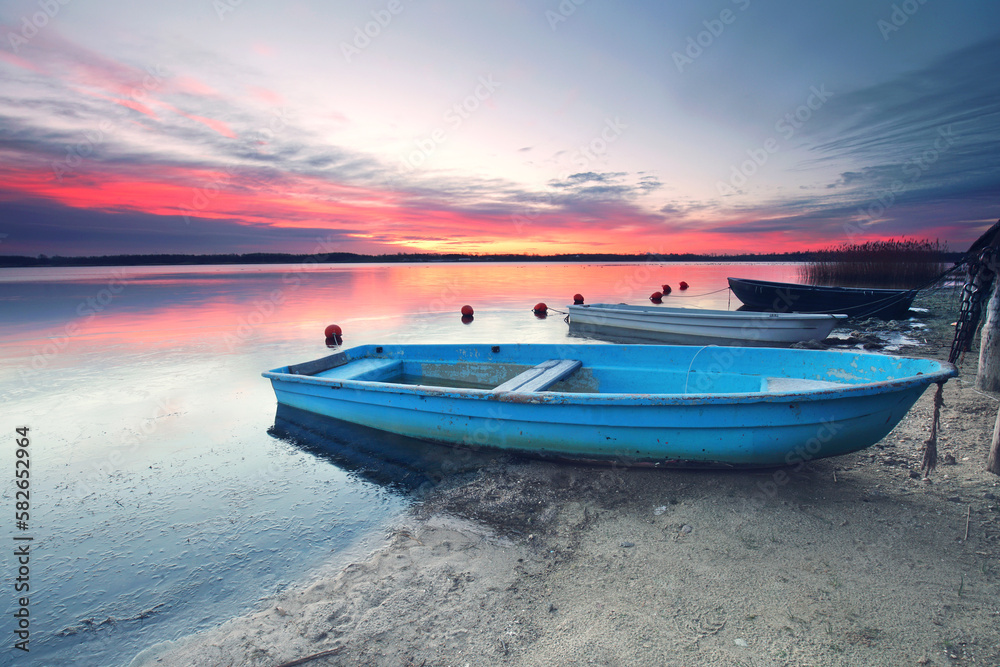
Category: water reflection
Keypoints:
(617, 336)
(142, 386)
(393, 461)
(228, 307)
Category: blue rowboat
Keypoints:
(643, 404)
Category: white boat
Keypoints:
(700, 326)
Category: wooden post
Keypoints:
(993, 462)
(983, 265)
(988, 377)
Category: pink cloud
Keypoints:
(267, 96)
(18, 61)
(192, 86)
(216, 125)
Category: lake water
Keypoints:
(164, 497)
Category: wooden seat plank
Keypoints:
(541, 377)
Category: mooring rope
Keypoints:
(872, 306)
(695, 296)
(930, 446)
(687, 376)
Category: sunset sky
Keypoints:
(521, 126)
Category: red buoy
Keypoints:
(333, 330)
(467, 319)
(683, 285)
(467, 311)
(334, 341)
(656, 297)
(666, 290)
(577, 299)
(540, 307)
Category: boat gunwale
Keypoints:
(946, 370)
(839, 289)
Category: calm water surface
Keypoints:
(160, 502)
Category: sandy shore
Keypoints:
(855, 560)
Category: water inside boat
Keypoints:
(429, 381)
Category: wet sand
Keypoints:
(856, 560)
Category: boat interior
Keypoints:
(566, 375)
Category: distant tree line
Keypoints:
(348, 257)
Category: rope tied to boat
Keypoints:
(687, 376)
(930, 445)
(689, 296)
(867, 306)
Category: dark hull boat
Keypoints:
(855, 302)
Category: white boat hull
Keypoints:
(701, 326)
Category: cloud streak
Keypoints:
(109, 141)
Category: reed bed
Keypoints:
(899, 263)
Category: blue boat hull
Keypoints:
(660, 405)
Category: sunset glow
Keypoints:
(279, 132)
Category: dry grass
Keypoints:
(903, 263)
